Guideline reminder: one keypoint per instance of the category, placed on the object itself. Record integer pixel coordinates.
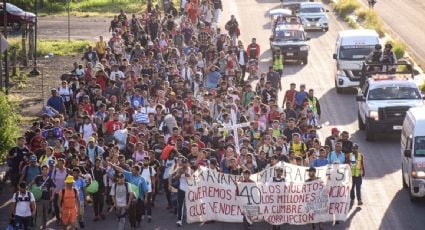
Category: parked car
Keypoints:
(15, 16)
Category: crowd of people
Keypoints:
(146, 108)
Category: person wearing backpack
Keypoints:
(69, 204)
(66, 93)
(46, 184)
(93, 150)
(98, 173)
(23, 207)
(80, 186)
(148, 173)
(13, 160)
(122, 196)
(30, 171)
(135, 178)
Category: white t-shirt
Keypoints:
(169, 164)
(65, 93)
(121, 196)
(23, 208)
(147, 176)
(114, 74)
(87, 130)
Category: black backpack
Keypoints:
(27, 197)
(126, 190)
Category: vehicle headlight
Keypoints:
(374, 115)
(418, 174)
(304, 48)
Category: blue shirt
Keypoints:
(320, 162)
(212, 80)
(56, 103)
(138, 181)
(80, 185)
(335, 158)
(137, 101)
(300, 97)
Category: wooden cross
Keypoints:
(235, 128)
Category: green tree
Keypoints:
(9, 128)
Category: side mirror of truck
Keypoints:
(334, 56)
(408, 153)
(360, 98)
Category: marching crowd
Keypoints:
(145, 109)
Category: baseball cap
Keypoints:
(51, 162)
(91, 139)
(335, 130)
(33, 158)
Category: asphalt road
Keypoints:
(405, 19)
(386, 204)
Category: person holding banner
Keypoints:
(312, 177)
(183, 173)
(244, 179)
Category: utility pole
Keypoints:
(34, 71)
(6, 54)
(69, 21)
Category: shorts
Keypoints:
(69, 216)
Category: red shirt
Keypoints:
(89, 108)
(112, 126)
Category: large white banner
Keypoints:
(214, 196)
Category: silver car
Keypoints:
(314, 16)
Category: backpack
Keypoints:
(126, 190)
(26, 171)
(96, 153)
(63, 194)
(27, 197)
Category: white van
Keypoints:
(351, 49)
(413, 152)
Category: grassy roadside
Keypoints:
(94, 7)
(57, 47)
(357, 16)
(105, 8)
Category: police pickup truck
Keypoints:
(289, 37)
(385, 97)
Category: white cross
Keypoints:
(235, 132)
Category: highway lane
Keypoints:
(406, 21)
(386, 206)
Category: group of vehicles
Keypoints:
(289, 25)
(389, 100)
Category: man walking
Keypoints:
(46, 184)
(122, 196)
(23, 207)
(357, 172)
(69, 204)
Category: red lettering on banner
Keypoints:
(197, 210)
(338, 208)
(224, 208)
(339, 191)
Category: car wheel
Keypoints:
(16, 26)
(305, 60)
(402, 176)
(370, 134)
(338, 89)
(411, 196)
(359, 120)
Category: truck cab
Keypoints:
(351, 50)
(413, 152)
(385, 98)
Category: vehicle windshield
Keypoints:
(307, 10)
(354, 52)
(12, 8)
(420, 146)
(394, 93)
(289, 35)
